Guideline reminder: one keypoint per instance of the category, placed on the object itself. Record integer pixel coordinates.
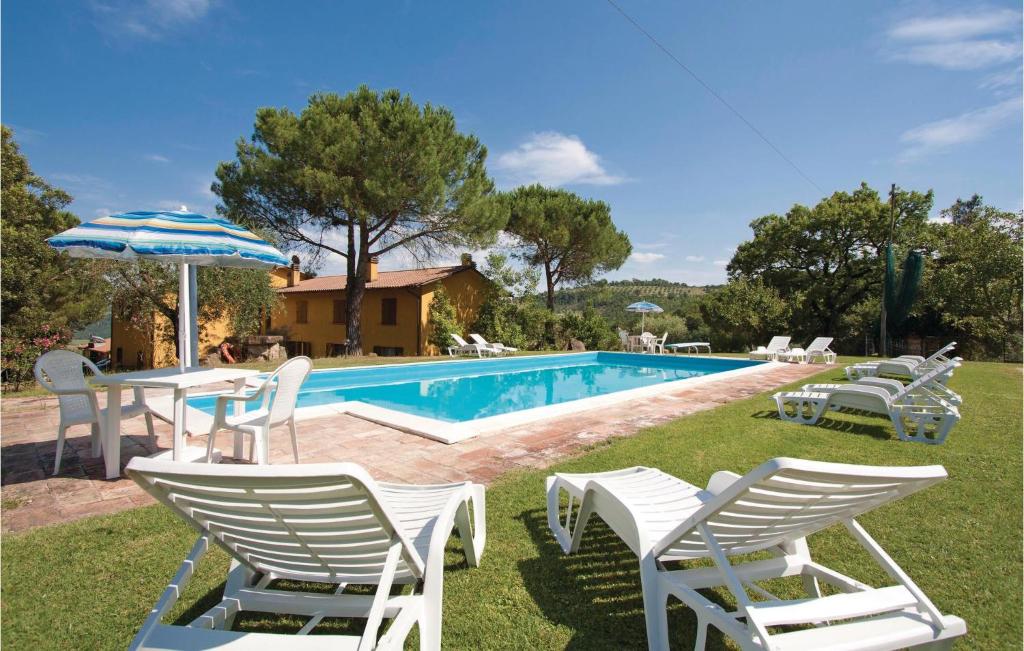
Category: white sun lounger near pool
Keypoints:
(499, 348)
(917, 413)
(463, 347)
(817, 349)
(910, 366)
(776, 346)
(326, 523)
(690, 347)
(774, 508)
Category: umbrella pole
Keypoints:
(183, 321)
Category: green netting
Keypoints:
(900, 293)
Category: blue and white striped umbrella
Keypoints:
(181, 237)
(168, 236)
(644, 308)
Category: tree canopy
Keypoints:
(569, 237)
(243, 296)
(359, 176)
(41, 286)
(828, 258)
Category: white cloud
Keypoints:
(963, 55)
(958, 26)
(157, 158)
(554, 159)
(967, 127)
(150, 19)
(695, 258)
(964, 41)
(721, 263)
(641, 257)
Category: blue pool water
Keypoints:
(467, 390)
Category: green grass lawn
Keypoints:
(90, 584)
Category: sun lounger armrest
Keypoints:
(721, 480)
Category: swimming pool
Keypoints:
(470, 392)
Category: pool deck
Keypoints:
(31, 497)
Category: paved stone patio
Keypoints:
(31, 497)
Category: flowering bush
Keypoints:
(20, 353)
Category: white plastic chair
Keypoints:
(278, 394)
(658, 345)
(773, 508)
(324, 523)
(776, 346)
(62, 372)
(918, 411)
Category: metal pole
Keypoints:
(193, 316)
(183, 310)
(884, 347)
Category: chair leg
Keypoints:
(60, 447)
(209, 445)
(295, 439)
(96, 438)
(149, 428)
(655, 605)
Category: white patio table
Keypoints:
(163, 378)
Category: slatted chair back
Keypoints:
(63, 370)
(819, 344)
(939, 356)
(459, 340)
(786, 499)
(289, 378)
(925, 379)
(778, 344)
(311, 522)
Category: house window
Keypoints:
(296, 348)
(389, 311)
(301, 312)
(340, 313)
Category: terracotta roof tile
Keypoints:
(385, 280)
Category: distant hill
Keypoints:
(610, 298)
(100, 328)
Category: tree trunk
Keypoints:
(355, 288)
(551, 286)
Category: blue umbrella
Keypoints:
(180, 237)
(644, 308)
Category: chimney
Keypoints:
(372, 275)
(294, 275)
(467, 260)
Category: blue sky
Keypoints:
(130, 105)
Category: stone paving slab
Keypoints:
(32, 498)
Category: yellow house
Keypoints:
(395, 315)
(395, 310)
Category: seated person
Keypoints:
(229, 353)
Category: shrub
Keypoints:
(443, 319)
(20, 354)
(589, 327)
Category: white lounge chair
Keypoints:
(62, 372)
(909, 366)
(499, 348)
(277, 396)
(918, 413)
(817, 349)
(325, 523)
(894, 387)
(462, 347)
(772, 508)
(771, 351)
